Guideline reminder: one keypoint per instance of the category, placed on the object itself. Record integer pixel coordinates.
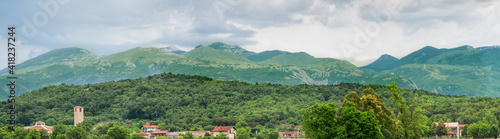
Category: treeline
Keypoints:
(86, 130)
(183, 102)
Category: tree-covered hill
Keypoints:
(184, 101)
(217, 60)
(460, 71)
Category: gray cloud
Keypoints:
(117, 26)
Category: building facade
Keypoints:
(78, 112)
(229, 131)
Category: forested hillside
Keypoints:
(463, 70)
(217, 60)
(182, 102)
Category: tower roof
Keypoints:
(78, 107)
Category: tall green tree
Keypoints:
(118, 132)
(241, 124)
(76, 133)
(373, 101)
(273, 134)
(488, 127)
(352, 97)
(19, 133)
(319, 122)
(439, 128)
(33, 134)
(411, 118)
(44, 134)
(61, 136)
(242, 133)
(58, 130)
(86, 125)
(359, 124)
(491, 119)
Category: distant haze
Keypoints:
(359, 31)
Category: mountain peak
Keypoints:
(382, 63)
(173, 49)
(465, 47)
(429, 48)
(234, 49)
(386, 57)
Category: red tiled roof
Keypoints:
(286, 126)
(143, 134)
(41, 127)
(150, 126)
(221, 128)
(39, 122)
(198, 131)
(298, 126)
(288, 132)
(126, 126)
(160, 132)
(451, 133)
(462, 126)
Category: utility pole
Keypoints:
(265, 129)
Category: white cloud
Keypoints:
(318, 27)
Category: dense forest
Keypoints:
(183, 102)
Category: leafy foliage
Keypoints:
(439, 128)
(411, 117)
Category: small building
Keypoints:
(145, 135)
(39, 126)
(199, 133)
(149, 128)
(156, 134)
(286, 126)
(297, 127)
(453, 131)
(229, 131)
(173, 135)
(290, 134)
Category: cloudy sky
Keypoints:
(355, 30)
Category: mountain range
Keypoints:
(459, 71)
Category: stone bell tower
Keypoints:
(78, 111)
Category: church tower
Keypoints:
(78, 110)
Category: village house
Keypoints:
(289, 134)
(453, 131)
(173, 135)
(199, 133)
(286, 126)
(229, 131)
(297, 127)
(149, 128)
(145, 135)
(156, 134)
(39, 126)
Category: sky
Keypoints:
(358, 31)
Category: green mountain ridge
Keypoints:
(218, 60)
(460, 71)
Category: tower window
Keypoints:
(80, 109)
